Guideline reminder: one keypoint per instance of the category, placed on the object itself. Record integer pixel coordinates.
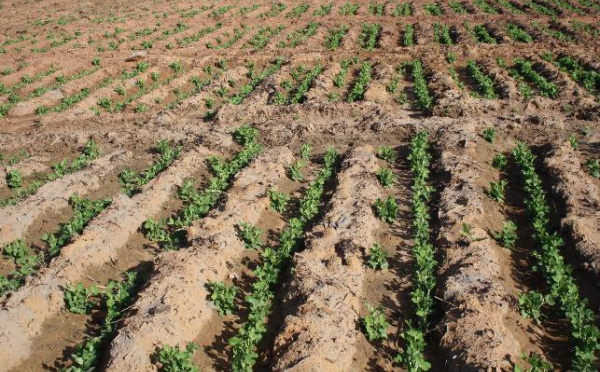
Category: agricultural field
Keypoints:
(300, 186)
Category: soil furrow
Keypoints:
(15, 220)
(581, 204)
(326, 290)
(24, 312)
(174, 308)
(474, 335)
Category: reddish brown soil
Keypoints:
(47, 52)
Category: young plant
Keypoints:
(433, 9)
(442, 34)
(370, 33)
(84, 211)
(361, 83)
(386, 177)
(269, 273)
(377, 257)
(508, 235)
(173, 359)
(403, 10)
(334, 37)
(573, 141)
(386, 210)
(408, 39)
(250, 235)
(489, 134)
(295, 171)
(496, 190)
(223, 297)
(14, 179)
(530, 305)
(305, 152)
(500, 160)
(412, 356)
(156, 232)
(537, 363)
(592, 166)
(79, 298)
(375, 323)
(517, 33)
(387, 153)
(279, 200)
(424, 98)
(323, 10)
(563, 288)
(484, 83)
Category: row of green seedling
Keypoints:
(421, 89)
(27, 263)
(269, 272)
(168, 233)
(57, 42)
(198, 83)
(485, 85)
(275, 10)
(255, 79)
(73, 99)
(26, 80)
(295, 38)
(369, 35)
(584, 75)
(263, 36)
(295, 91)
(113, 300)
(142, 87)
(186, 40)
(524, 69)
(15, 181)
(238, 33)
(481, 34)
(564, 291)
(425, 266)
(132, 181)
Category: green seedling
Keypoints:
(375, 323)
(223, 297)
(377, 258)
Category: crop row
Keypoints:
(524, 68)
(564, 291)
(422, 293)
(269, 272)
(348, 9)
(114, 299)
(303, 78)
(27, 263)
(586, 76)
(167, 233)
(132, 182)
(14, 178)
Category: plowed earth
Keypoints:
(128, 74)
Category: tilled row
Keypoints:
(174, 308)
(582, 204)
(54, 196)
(474, 335)
(24, 312)
(325, 294)
(326, 290)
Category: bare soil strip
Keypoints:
(325, 295)
(582, 204)
(174, 308)
(474, 335)
(25, 311)
(15, 220)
